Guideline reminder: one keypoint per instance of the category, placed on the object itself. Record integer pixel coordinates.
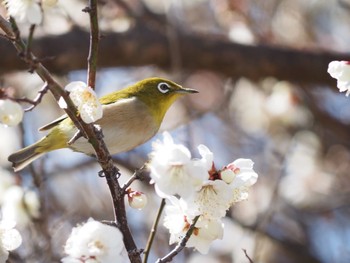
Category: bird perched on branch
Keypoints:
(131, 117)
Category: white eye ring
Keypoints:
(163, 87)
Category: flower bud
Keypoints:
(229, 173)
(227, 176)
(136, 199)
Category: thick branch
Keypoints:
(146, 45)
(87, 130)
(117, 193)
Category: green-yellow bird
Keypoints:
(131, 117)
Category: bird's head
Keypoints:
(158, 94)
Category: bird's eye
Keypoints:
(163, 87)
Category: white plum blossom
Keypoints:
(241, 176)
(20, 206)
(212, 200)
(340, 70)
(10, 239)
(11, 113)
(174, 172)
(95, 242)
(194, 188)
(223, 189)
(178, 221)
(205, 232)
(85, 99)
(25, 11)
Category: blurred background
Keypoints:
(261, 69)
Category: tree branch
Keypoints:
(117, 192)
(147, 45)
(94, 43)
(182, 244)
(153, 231)
(89, 131)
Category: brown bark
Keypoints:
(147, 45)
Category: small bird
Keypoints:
(131, 117)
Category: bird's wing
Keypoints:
(108, 99)
(53, 123)
(114, 96)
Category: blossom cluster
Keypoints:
(17, 204)
(18, 207)
(10, 239)
(194, 187)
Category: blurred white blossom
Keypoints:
(20, 206)
(283, 105)
(25, 11)
(174, 172)
(10, 239)
(95, 242)
(6, 181)
(311, 185)
(11, 113)
(340, 70)
(85, 99)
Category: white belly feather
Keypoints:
(125, 125)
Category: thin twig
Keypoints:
(34, 103)
(94, 42)
(169, 257)
(15, 30)
(30, 40)
(34, 62)
(75, 137)
(136, 176)
(246, 255)
(39, 97)
(153, 231)
(7, 37)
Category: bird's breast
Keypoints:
(126, 124)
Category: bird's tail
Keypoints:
(25, 156)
